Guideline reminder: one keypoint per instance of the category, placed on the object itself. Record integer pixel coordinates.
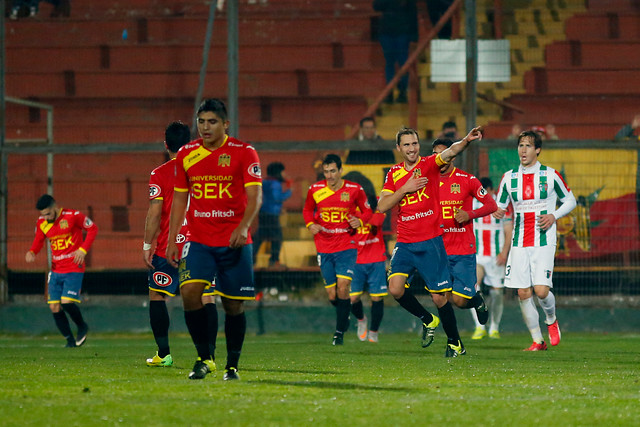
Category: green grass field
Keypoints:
(300, 379)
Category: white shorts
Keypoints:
(493, 273)
(530, 266)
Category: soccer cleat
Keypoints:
(201, 368)
(70, 344)
(428, 331)
(494, 335)
(455, 350)
(338, 339)
(537, 347)
(373, 336)
(82, 334)
(161, 362)
(362, 329)
(479, 333)
(230, 374)
(482, 311)
(554, 333)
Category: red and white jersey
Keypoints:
(216, 182)
(458, 190)
(419, 217)
(534, 191)
(65, 238)
(161, 182)
(331, 210)
(370, 242)
(489, 232)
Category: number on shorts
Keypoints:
(185, 249)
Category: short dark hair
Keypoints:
(449, 124)
(45, 201)
(442, 141)
(176, 135)
(274, 170)
(367, 119)
(332, 158)
(486, 182)
(213, 105)
(537, 140)
(406, 131)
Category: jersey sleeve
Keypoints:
(155, 186)
(503, 193)
(488, 204)
(38, 240)
(309, 208)
(181, 183)
(565, 195)
(389, 185)
(92, 231)
(252, 173)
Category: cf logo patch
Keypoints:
(162, 279)
(154, 191)
(255, 171)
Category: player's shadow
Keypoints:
(292, 371)
(336, 385)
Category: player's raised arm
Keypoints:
(450, 153)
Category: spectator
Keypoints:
(551, 132)
(516, 130)
(449, 131)
(276, 188)
(398, 28)
(629, 130)
(436, 9)
(32, 5)
(368, 130)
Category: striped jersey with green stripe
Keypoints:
(489, 233)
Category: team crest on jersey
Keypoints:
(417, 173)
(154, 190)
(224, 160)
(344, 196)
(543, 187)
(255, 170)
(64, 224)
(548, 274)
(455, 188)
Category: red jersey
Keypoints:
(419, 212)
(457, 191)
(331, 210)
(161, 184)
(370, 242)
(216, 182)
(65, 237)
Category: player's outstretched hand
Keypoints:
(475, 134)
(499, 213)
(30, 257)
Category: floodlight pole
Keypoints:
(471, 110)
(203, 66)
(232, 67)
(4, 166)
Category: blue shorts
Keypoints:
(463, 275)
(337, 265)
(374, 275)
(164, 278)
(229, 271)
(64, 285)
(429, 258)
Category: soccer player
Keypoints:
(330, 214)
(458, 190)
(533, 189)
(220, 177)
(413, 186)
(493, 241)
(163, 277)
(369, 270)
(64, 228)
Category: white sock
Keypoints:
(496, 307)
(531, 319)
(475, 319)
(548, 305)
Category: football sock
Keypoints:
(531, 319)
(235, 328)
(159, 319)
(74, 313)
(63, 325)
(548, 305)
(357, 310)
(334, 302)
(474, 302)
(212, 321)
(409, 302)
(377, 312)
(496, 306)
(342, 314)
(196, 321)
(474, 316)
(449, 323)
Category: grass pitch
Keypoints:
(300, 379)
